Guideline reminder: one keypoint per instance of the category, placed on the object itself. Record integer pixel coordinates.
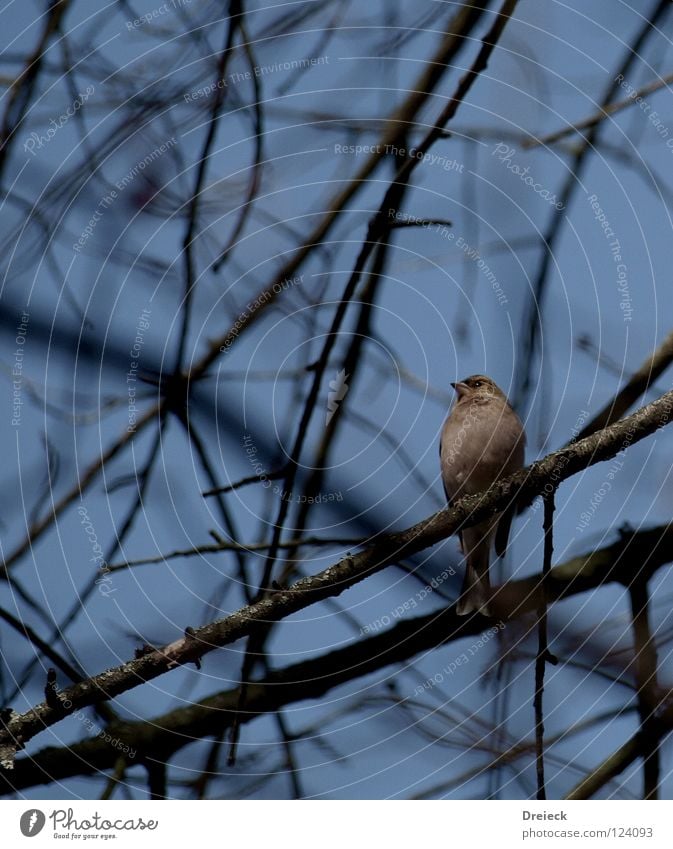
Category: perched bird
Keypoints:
(482, 441)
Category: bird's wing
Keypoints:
(448, 500)
(502, 531)
(518, 461)
(448, 497)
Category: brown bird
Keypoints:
(482, 441)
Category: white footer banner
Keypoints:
(327, 824)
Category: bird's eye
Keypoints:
(478, 383)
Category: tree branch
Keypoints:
(637, 384)
(523, 486)
(543, 655)
(162, 736)
(459, 28)
(621, 759)
(607, 110)
(575, 169)
(645, 661)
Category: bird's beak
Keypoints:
(461, 389)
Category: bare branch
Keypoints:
(543, 655)
(197, 551)
(606, 111)
(311, 679)
(522, 486)
(638, 383)
(645, 660)
(459, 28)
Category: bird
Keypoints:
(482, 441)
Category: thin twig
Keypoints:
(22, 88)
(468, 511)
(604, 112)
(645, 659)
(459, 28)
(197, 551)
(222, 490)
(115, 779)
(543, 655)
(639, 382)
(532, 330)
(311, 679)
(377, 231)
(234, 15)
(77, 491)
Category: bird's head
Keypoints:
(478, 388)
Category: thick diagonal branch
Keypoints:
(523, 486)
(639, 382)
(162, 736)
(398, 124)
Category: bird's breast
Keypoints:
(479, 444)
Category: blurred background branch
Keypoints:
(246, 250)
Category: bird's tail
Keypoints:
(476, 584)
